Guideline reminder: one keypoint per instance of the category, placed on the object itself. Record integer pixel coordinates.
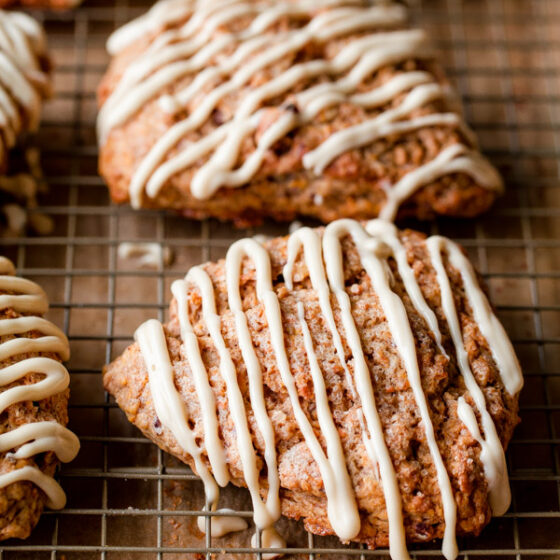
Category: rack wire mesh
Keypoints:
(127, 499)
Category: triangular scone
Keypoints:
(376, 346)
(33, 405)
(246, 110)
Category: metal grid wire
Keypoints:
(127, 499)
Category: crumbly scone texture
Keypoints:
(302, 492)
(352, 186)
(22, 503)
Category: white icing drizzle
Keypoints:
(453, 159)
(29, 297)
(256, 385)
(22, 82)
(308, 240)
(335, 274)
(333, 469)
(222, 524)
(338, 486)
(197, 49)
(385, 124)
(269, 539)
(489, 325)
(492, 453)
(167, 400)
(191, 351)
(373, 253)
(388, 233)
(162, 13)
(41, 436)
(264, 515)
(375, 243)
(56, 499)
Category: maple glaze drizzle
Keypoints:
(197, 49)
(375, 243)
(27, 298)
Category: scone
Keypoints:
(24, 83)
(33, 406)
(244, 111)
(354, 376)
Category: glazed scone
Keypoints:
(24, 84)
(350, 391)
(243, 111)
(33, 406)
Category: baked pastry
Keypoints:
(24, 83)
(350, 391)
(50, 4)
(243, 110)
(25, 80)
(33, 405)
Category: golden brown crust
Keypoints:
(302, 493)
(352, 186)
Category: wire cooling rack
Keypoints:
(126, 498)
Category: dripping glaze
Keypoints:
(375, 243)
(190, 45)
(28, 298)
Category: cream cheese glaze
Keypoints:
(26, 297)
(191, 44)
(376, 242)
